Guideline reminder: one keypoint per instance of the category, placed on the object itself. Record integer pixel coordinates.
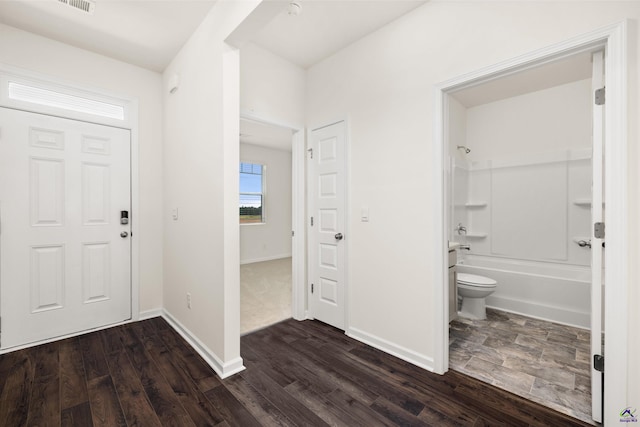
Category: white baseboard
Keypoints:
(393, 349)
(305, 316)
(223, 370)
(150, 314)
(268, 258)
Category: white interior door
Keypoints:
(597, 216)
(327, 201)
(65, 257)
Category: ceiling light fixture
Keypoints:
(294, 8)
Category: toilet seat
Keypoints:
(475, 280)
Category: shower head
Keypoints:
(462, 147)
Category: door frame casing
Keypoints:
(130, 123)
(597, 215)
(614, 39)
(298, 240)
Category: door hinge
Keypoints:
(312, 288)
(310, 150)
(312, 221)
(598, 362)
(598, 230)
(293, 233)
(600, 96)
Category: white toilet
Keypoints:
(474, 289)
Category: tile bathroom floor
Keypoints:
(542, 361)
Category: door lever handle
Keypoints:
(583, 243)
(339, 236)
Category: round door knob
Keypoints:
(124, 234)
(339, 236)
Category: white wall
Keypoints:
(547, 120)
(385, 84)
(272, 239)
(76, 66)
(201, 247)
(271, 87)
(530, 157)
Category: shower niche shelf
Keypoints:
(584, 203)
(476, 204)
(472, 235)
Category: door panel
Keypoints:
(327, 193)
(64, 267)
(47, 278)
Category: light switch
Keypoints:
(174, 214)
(364, 214)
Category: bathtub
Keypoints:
(556, 292)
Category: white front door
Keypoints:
(65, 257)
(597, 216)
(327, 206)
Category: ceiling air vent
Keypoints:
(83, 5)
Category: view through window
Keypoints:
(251, 193)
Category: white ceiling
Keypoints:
(255, 133)
(326, 26)
(147, 33)
(567, 70)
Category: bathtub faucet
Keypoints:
(465, 247)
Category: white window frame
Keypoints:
(263, 193)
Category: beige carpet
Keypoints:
(265, 294)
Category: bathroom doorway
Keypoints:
(521, 203)
(496, 252)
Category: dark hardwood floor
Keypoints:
(298, 373)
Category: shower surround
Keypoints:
(524, 218)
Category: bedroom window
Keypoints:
(252, 193)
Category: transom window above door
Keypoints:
(29, 91)
(252, 186)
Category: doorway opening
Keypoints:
(521, 193)
(269, 263)
(504, 192)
